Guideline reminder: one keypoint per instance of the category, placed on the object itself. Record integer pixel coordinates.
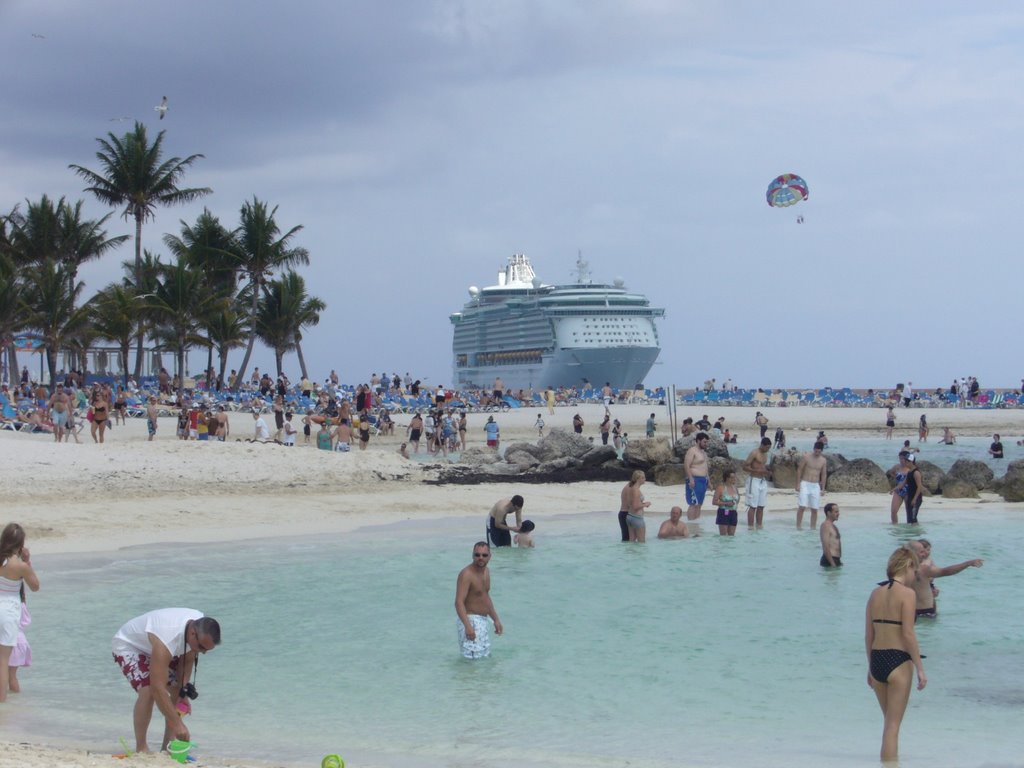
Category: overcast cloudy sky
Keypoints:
(420, 142)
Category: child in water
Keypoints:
(525, 536)
(539, 424)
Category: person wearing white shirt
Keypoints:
(262, 431)
(158, 652)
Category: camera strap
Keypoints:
(190, 624)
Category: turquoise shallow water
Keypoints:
(717, 651)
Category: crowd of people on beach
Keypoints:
(159, 651)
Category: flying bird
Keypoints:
(119, 119)
(38, 37)
(162, 109)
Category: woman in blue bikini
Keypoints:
(899, 491)
(891, 643)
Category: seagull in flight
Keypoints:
(38, 36)
(162, 109)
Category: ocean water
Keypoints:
(884, 452)
(713, 652)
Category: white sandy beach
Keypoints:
(99, 498)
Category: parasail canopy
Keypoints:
(785, 190)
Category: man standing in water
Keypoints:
(158, 652)
(924, 586)
(810, 484)
(499, 532)
(831, 544)
(756, 467)
(473, 605)
(696, 465)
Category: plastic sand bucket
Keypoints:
(179, 750)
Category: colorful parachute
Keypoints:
(787, 189)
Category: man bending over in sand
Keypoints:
(473, 605)
(157, 652)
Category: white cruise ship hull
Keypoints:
(532, 335)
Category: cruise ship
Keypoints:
(534, 335)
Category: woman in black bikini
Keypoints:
(121, 406)
(100, 414)
(891, 643)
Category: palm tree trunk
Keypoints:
(51, 363)
(138, 285)
(252, 336)
(125, 350)
(302, 359)
(13, 372)
(279, 359)
(222, 353)
(181, 365)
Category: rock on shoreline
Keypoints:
(565, 457)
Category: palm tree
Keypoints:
(284, 310)
(262, 249)
(209, 247)
(181, 300)
(35, 234)
(134, 175)
(51, 304)
(304, 310)
(273, 326)
(115, 313)
(12, 311)
(82, 240)
(226, 331)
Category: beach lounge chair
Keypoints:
(9, 413)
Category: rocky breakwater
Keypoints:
(558, 457)
(966, 478)
(1011, 488)
(565, 457)
(851, 476)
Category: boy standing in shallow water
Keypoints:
(525, 536)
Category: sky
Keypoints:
(419, 143)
